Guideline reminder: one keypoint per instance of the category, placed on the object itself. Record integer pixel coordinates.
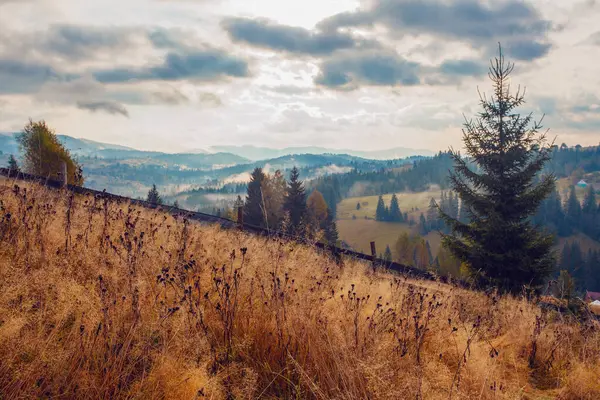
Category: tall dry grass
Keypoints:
(107, 300)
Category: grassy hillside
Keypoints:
(104, 300)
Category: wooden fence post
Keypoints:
(373, 253)
(240, 217)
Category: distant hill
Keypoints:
(261, 153)
(77, 146)
(85, 148)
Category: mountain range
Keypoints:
(92, 148)
(260, 153)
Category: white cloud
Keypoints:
(279, 104)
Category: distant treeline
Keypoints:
(577, 160)
(423, 173)
(419, 176)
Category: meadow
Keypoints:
(360, 231)
(407, 201)
(100, 299)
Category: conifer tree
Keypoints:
(556, 214)
(500, 246)
(13, 166)
(329, 228)
(590, 223)
(380, 212)
(565, 257)
(254, 209)
(295, 204)
(453, 205)
(395, 215)
(573, 209)
(433, 222)
(153, 196)
(589, 201)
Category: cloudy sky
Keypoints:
(173, 75)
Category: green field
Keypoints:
(359, 232)
(368, 204)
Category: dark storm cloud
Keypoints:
(109, 107)
(200, 65)
(513, 22)
(267, 34)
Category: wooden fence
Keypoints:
(336, 252)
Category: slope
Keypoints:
(106, 300)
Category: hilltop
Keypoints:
(100, 299)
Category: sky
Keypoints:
(177, 75)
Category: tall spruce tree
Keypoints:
(294, 205)
(329, 228)
(573, 209)
(589, 201)
(590, 223)
(254, 209)
(381, 211)
(395, 215)
(500, 246)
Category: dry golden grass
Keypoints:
(105, 300)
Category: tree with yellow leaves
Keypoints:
(43, 154)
